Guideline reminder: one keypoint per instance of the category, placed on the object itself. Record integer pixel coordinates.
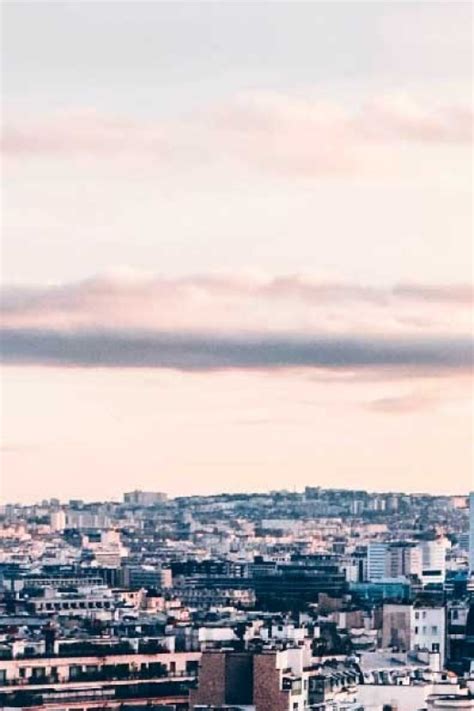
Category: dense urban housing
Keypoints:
(329, 600)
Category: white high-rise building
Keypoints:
(58, 520)
(404, 559)
(471, 532)
(434, 560)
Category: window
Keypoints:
(38, 672)
(75, 670)
(416, 630)
(434, 629)
(192, 667)
(417, 615)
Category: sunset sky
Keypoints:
(236, 247)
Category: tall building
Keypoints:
(144, 498)
(86, 519)
(471, 532)
(377, 561)
(434, 560)
(58, 520)
(404, 560)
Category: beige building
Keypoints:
(396, 626)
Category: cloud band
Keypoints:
(184, 351)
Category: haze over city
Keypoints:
(237, 248)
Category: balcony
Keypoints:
(175, 690)
(109, 674)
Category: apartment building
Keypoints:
(272, 680)
(428, 629)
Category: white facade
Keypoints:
(404, 560)
(58, 521)
(414, 561)
(404, 698)
(434, 560)
(216, 634)
(428, 630)
(85, 519)
(283, 632)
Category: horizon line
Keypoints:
(266, 492)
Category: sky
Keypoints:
(237, 247)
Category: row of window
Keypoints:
(424, 630)
(79, 605)
(421, 615)
(78, 670)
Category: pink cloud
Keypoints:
(268, 132)
(405, 404)
(403, 119)
(83, 132)
(244, 302)
(309, 137)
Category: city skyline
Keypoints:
(347, 601)
(237, 248)
(164, 496)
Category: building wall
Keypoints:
(212, 675)
(396, 626)
(239, 678)
(58, 521)
(428, 628)
(413, 561)
(434, 559)
(377, 561)
(403, 698)
(11, 669)
(266, 680)
(224, 678)
(404, 560)
(471, 532)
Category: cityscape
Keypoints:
(236, 348)
(326, 599)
